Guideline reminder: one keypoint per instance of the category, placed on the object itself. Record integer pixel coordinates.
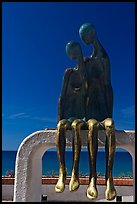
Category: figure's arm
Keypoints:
(108, 87)
(63, 93)
(103, 57)
(107, 80)
(59, 109)
(106, 70)
(82, 68)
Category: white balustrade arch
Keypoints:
(28, 169)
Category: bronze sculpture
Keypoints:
(71, 113)
(97, 111)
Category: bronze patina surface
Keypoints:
(86, 102)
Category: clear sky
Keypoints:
(34, 36)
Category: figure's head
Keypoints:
(73, 50)
(87, 33)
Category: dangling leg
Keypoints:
(110, 146)
(60, 145)
(92, 150)
(76, 126)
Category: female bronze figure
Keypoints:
(71, 113)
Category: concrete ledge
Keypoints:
(28, 169)
(79, 196)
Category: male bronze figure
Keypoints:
(71, 113)
(99, 109)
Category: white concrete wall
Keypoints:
(28, 169)
(7, 192)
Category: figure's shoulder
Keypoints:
(68, 71)
(87, 59)
(105, 56)
(105, 59)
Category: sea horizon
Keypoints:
(70, 149)
(120, 168)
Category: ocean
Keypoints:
(122, 163)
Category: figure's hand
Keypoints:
(71, 119)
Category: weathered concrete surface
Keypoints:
(80, 195)
(7, 192)
(28, 170)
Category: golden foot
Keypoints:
(74, 184)
(92, 192)
(110, 192)
(60, 186)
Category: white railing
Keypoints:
(28, 169)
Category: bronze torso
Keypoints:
(73, 99)
(98, 106)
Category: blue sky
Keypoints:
(34, 36)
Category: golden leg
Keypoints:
(110, 146)
(92, 192)
(76, 126)
(60, 145)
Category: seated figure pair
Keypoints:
(86, 102)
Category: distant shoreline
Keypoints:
(52, 180)
(102, 177)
